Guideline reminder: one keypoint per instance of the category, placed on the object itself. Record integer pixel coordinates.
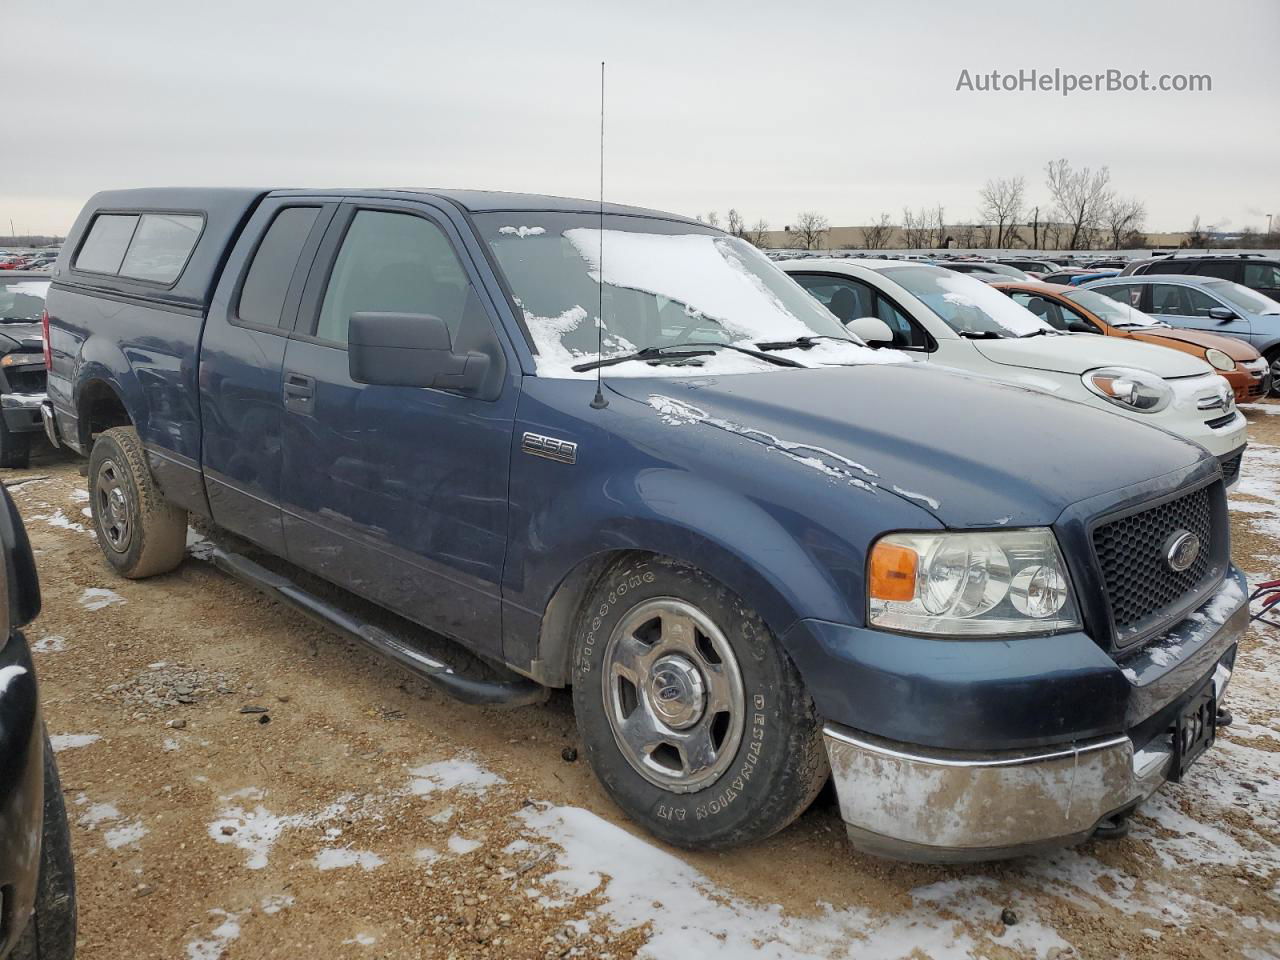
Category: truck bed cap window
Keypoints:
(151, 246)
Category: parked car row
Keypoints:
(42, 260)
(623, 452)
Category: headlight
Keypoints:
(1132, 389)
(970, 584)
(1219, 360)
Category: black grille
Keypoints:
(1231, 468)
(1132, 554)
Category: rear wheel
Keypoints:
(689, 710)
(15, 448)
(140, 533)
(51, 931)
(1273, 358)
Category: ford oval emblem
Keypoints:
(1181, 550)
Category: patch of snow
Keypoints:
(8, 675)
(363, 939)
(80, 495)
(125, 834)
(50, 644)
(704, 921)
(256, 831)
(198, 545)
(60, 519)
(98, 598)
(70, 741)
(678, 413)
(460, 773)
(462, 845)
(338, 858)
(170, 745)
(213, 946)
(444, 816)
(426, 855)
(523, 232)
(923, 498)
(276, 902)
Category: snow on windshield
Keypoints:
(30, 288)
(1113, 311)
(965, 304)
(705, 273)
(666, 290)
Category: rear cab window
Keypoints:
(266, 285)
(150, 247)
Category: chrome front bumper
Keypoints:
(913, 803)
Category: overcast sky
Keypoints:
(847, 108)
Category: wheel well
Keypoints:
(560, 620)
(100, 409)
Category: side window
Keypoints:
(1070, 316)
(160, 247)
(1168, 300)
(1166, 266)
(1197, 302)
(109, 236)
(906, 335)
(393, 263)
(149, 246)
(1222, 269)
(1261, 276)
(267, 282)
(1130, 294)
(847, 299)
(1042, 307)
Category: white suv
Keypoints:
(947, 318)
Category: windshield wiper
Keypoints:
(802, 343)
(980, 334)
(674, 351)
(1037, 333)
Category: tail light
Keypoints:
(44, 329)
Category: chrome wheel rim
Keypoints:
(673, 694)
(112, 508)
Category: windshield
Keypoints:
(665, 284)
(1112, 311)
(966, 305)
(1247, 300)
(22, 299)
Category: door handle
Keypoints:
(299, 387)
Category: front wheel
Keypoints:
(141, 534)
(690, 711)
(51, 931)
(1273, 358)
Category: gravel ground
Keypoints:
(245, 785)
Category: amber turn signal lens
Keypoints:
(893, 572)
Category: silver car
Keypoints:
(1204, 303)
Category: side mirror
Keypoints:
(409, 350)
(1221, 314)
(870, 329)
(1079, 326)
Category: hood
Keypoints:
(22, 333)
(1076, 353)
(1238, 350)
(972, 452)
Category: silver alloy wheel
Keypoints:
(113, 508)
(673, 694)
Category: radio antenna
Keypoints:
(599, 402)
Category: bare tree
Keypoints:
(1124, 216)
(877, 235)
(1052, 233)
(1001, 205)
(1080, 198)
(811, 229)
(916, 231)
(758, 234)
(967, 236)
(937, 220)
(735, 225)
(1199, 237)
(713, 219)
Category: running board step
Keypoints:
(517, 692)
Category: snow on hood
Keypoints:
(973, 452)
(1082, 353)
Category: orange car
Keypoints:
(1078, 310)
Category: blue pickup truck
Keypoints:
(617, 450)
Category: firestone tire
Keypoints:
(140, 533)
(689, 710)
(51, 931)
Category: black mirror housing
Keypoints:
(410, 350)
